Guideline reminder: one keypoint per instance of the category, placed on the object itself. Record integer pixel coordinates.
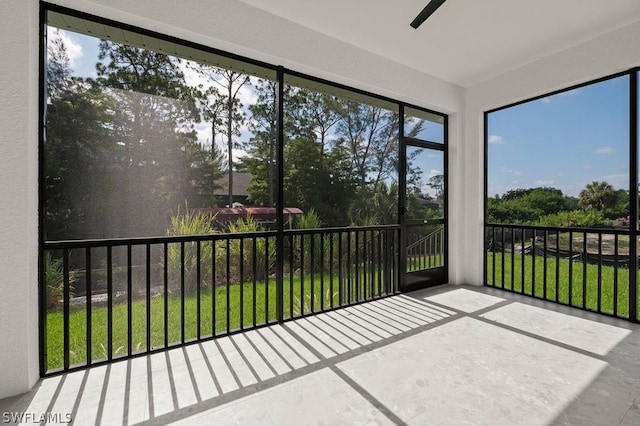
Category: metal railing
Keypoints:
(119, 298)
(587, 268)
(425, 251)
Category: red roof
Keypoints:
(257, 213)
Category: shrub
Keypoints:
(264, 260)
(197, 223)
(579, 218)
(310, 220)
(54, 280)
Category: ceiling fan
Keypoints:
(426, 12)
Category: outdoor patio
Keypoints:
(445, 355)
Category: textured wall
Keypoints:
(19, 196)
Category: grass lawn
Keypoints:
(248, 306)
(572, 283)
(418, 263)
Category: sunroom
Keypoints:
(211, 201)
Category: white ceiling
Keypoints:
(465, 41)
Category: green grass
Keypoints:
(419, 263)
(240, 312)
(562, 285)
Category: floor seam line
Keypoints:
(542, 338)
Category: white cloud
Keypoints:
(238, 153)
(502, 188)
(510, 171)
(572, 189)
(493, 139)
(568, 93)
(544, 182)
(434, 172)
(74, 49)
(617, 181)
(604, 150)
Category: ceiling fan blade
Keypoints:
(426, 12)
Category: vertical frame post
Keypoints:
(485, 212)
(633, 195)
(402, 199)
(42, 110)
(280, 199)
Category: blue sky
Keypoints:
(564, 141)
(82, 51)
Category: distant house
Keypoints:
(430, 204)
(241, 182)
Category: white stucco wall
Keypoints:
(610, 53)
(19, 196)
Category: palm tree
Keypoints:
(376, 204)
(598, 196)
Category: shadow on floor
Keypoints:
(442, 355)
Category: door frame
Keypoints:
(434, 276)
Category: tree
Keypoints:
(321, 183)
(316, 171)
(76, 150)
(436, 183)
(59, 72)
(598, 195)
(369, 134)
(261, 149)
(321, 112)
(339, 154)
(526, 205)
(155, 158)
(376, 205)
(621, 208)
(231, 115)
(210, 104)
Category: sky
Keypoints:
(563, 141)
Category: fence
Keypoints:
(118, 298)
(580, 267)
(425, 248)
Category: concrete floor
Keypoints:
(446, 355)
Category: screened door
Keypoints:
(423, 211)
